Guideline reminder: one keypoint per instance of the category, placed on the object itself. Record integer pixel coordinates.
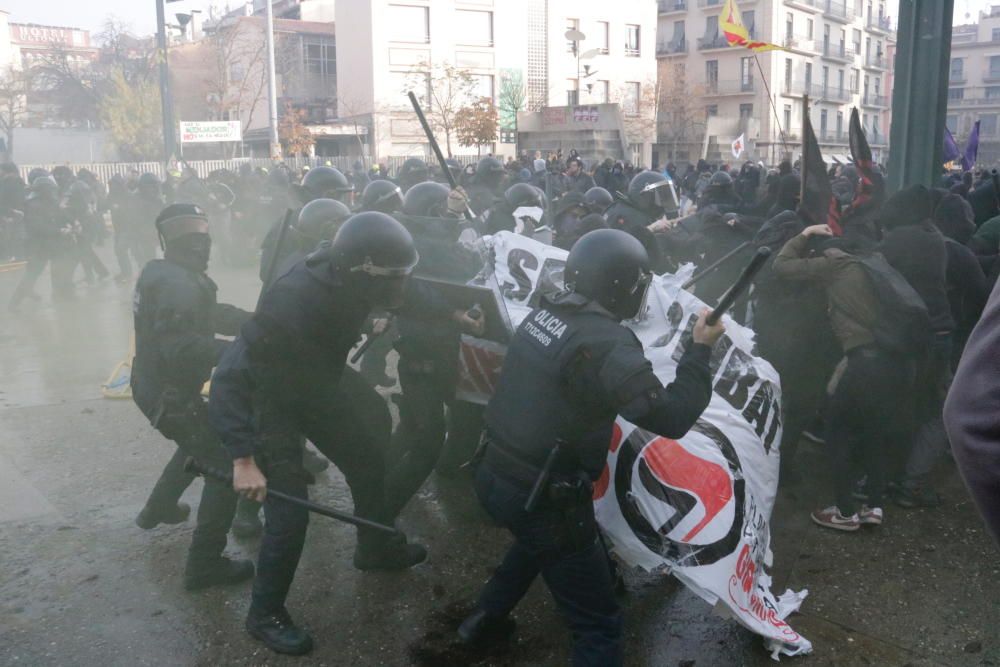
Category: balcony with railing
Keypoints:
(800, 43)
(956, 78)
(991, 76)
(977, 97)
(735, 87)
(716, 41)
(813, 5)
(876, 61)
(880, 23)
(672, 48)
(833, 137)
(873, 100)
(839, 52)
(817, 91)
(672, 6)
(838, 11)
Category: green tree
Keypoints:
(130, 112)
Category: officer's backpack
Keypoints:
(903, 325)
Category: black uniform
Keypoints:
(570, 369)
(176, 319)
(49, 240)
(628, 217)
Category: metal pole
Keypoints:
(166, 102)
(272, 88)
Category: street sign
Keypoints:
(206, 131)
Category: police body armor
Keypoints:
(162, 286)
(540, 399)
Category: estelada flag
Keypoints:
(861, 153)
(736, 33)
(817, 204)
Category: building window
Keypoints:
(958, 69)
(857, 41)
(630, 104)
(788, 74)
(603, 91)
(826, 38)
(996, 34)
(604, 35)
(320, 65)
(840, 124)
(822, 123)
(678, 40)
(484, 87)
(855, 80)
(951, 122)
(712, 75)
(572, 92)
(988, 124)
(403, 82)
(711, 110)
(840, 81)
(994, 66)
(409, 24)
(809, 76)
(474, 27)
(746, 74)
(826, 78)
(809, 28)
(571, 24)
(788, 118)
(749, 20)
(237, 72)
(992, 92)
(746, 111)
(632, 40)
(789, 26)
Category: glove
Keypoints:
(458, 201)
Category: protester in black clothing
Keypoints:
(81, 207)
(50, 240)
(176, 320)
(12, 231)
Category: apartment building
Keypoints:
(384, 46)
(974, 83)
(836, 52)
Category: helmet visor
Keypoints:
(372, 269)
(663, 194)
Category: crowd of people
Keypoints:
(865, 321)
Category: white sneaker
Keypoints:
(871, 516)
(832, 518)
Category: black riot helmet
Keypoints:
(278, 179)
(412, 171)
(184, 238)
(721, 180)
(652, 192)
(597, 199)
(489, 172)
(320, 219)
(44, 187)
(382, 195)
(455, 167)
(326, 182)
(36, 173)
(524, 194)
(149, 185)
(611, 267)
(375, 252)
(80, 192)
(63, 175)
(427, 199)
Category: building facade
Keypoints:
(974, 84)
(835, 54)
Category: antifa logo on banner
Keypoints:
(670, 474)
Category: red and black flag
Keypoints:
(817, 204)
(861, 153)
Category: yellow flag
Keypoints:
(736, 33)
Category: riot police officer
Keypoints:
(281, 379)
(176, 319)
(530, 203)
(650, 197)
(412, 171)
(50, 239)
(571, 368)
(486, 188)
(721, 194)
(382, 196)
(598, 200)
(326, 183)
(318, 221)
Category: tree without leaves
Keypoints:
(477, 124)
(450, 89)
(681, 122)
(513, 97)
(14, 88)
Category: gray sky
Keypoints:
(141, 14)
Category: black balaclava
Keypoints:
(183, 230)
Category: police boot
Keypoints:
(220, 571)
(376, 552)
(482, 629)
(246, 523)
(278, 632)
(150, 518)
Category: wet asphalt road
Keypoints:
(80, 584)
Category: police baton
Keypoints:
(741, 285)
(370, 340)
(192, 466)
(272, 264)
(452, 183)
(716, 264)
(542, 481)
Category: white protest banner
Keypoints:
(698, 507)
(195, 132)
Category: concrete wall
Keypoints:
(57, 146)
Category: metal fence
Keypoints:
(105, 170)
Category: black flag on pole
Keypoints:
(818, 204)
(861, 153)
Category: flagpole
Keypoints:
(805, 148)
(774, 110)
